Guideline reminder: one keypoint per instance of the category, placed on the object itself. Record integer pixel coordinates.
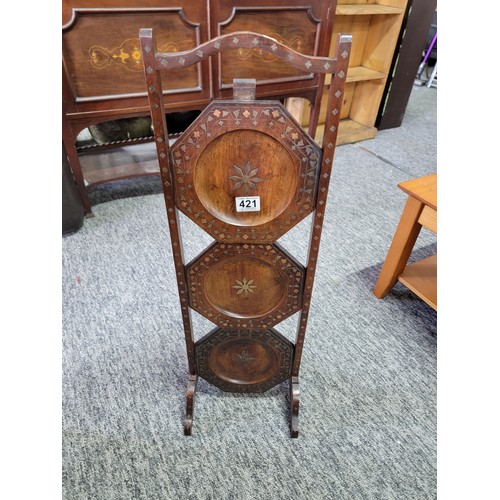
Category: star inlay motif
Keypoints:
(245, 178)
(244, 287)
(245, 358)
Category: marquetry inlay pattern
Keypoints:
(224, 285)
(241, 40)
(267, 118)
(127, 55)
(295, 41)
(245, 287)
(245, 178)
(244, 361)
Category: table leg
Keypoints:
(294, 406)
(190, 395)
(402, 244)
(76, 169)
(74, 163)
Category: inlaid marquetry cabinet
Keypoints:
(103, 70)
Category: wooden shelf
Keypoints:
(358, 74)
(300, 108)
(362, 73)
(375, 29)
(120, 163)
(421, 278)
(349, 131)
(369, 9)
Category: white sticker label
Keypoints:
(248, 204)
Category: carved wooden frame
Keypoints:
(155, 61)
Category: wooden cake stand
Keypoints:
(246, 173)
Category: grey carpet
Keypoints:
(368, 376)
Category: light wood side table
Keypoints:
(420, 210)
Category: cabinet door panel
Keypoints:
(294, 29)
(102, 61)
(303, 26)
(103, 55)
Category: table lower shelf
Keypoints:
(421, 278)
(120, 163)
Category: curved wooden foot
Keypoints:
(294, 407)
(190, 394)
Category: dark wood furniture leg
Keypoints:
(294, 406)
(190, 396)
(74, 162)
(315, 108)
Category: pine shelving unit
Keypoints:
(375, 26)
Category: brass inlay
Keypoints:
(244, 358)
(295, 42)
(245, 178)
(245, 287)
(127, 55)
